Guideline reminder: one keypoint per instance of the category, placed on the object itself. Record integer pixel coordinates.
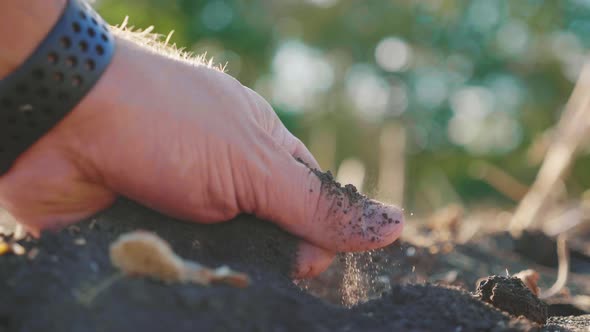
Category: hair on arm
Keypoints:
(160, 45)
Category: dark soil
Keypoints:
(510, 294)
(65, 283)
(569, 323)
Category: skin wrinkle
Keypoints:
(233, 178)
(263, 120)
(212, 186)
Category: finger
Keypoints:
(313, 206)
(296, 148)
(311, 260)
(270, 123)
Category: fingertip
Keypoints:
(362, 226)
(383, 224)
(313, 206)
(311, 261)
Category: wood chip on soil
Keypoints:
(142, 253)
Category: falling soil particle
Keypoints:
(513, 296)
(354, 284)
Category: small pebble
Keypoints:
(80, 241)
(17, 249)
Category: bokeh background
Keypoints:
(421, 103)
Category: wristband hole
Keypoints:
(90, 65)
(52, 58)
(83, 15)
(32, 124)
(76, 26)
(71, 61)
(83, 46)
(65, 42)
(47, 110)
(104, 38)
(15, 137)
(99, 50)
(94, 21)
(38, 74)
(91, 32)
(11, 119)
(76, 81)
(58, 76)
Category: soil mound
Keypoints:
(65, 282)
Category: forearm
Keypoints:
(23, 25)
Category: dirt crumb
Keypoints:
(512, 295)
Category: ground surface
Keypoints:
(65, 282)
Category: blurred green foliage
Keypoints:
(469, 80)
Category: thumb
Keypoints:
(310, 204)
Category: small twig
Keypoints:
(562, 270)
(500, 180)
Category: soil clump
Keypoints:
(512, 295)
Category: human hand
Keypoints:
(194, 143)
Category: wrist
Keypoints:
(28, 22)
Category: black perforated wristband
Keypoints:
(53, 80)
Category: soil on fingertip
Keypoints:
(347, 197)
(332, 187)
(65, 282)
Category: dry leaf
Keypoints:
(530, 278)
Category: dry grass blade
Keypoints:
(571, 130)
(563, 268)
